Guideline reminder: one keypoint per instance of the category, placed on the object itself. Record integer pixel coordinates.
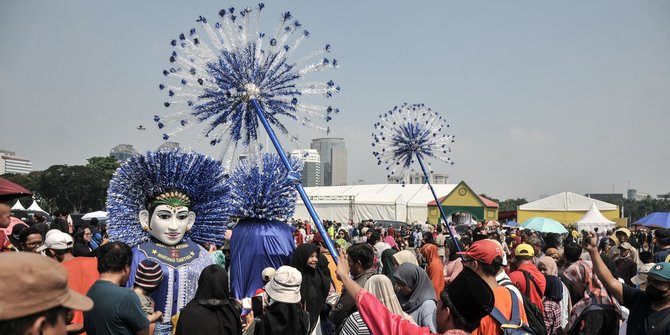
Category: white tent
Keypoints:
(18, 206)
(592, 219)
(396, 202)
(35, 207)
(566, 201)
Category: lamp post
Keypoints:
(141, 128)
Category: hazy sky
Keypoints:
(542, 96)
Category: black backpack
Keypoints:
(513, 326)
(533, 313)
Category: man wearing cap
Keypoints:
(82, 271)
(641, 278)
(626, 268)
(462, 306)
(527, 277)
(117, 309)
(34, 297)
(650, 309)
(485, 257)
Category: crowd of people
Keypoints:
(415, 279)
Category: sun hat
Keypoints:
(268, 273)
(149, 275)
(56, 240)
(642, 276)
(285, 285)
(626, 245)
(33, 283)
(484, 251)
(524, 249)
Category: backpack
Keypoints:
(533, 313)
(513, 326)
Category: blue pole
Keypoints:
(296, 179)
(437, 202)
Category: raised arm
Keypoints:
(613, 286)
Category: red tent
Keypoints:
(10, 191)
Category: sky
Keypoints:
(542, 97)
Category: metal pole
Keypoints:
(296, 179)
(437, 202)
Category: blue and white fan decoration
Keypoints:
(217, 69)
(407, 133)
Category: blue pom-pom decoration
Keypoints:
(143, 176)
(406, 132)
(262, 189)
(216, 74)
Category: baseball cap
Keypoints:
(56, 240)
(285, 285)
(32, 283)
(642, 276)
(484, 251)
(524, 249)
(660, 271)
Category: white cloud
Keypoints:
(526, 136)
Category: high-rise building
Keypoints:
(10, 163)
(418, 178)
(168, 146)
(333, 154)
(122, 152)
(311, 170)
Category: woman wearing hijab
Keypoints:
(553, 294)
(283, 316)
(416, 294)
(211, 311)
(388, 266)
(404, 256)
(547, 265)
(315, 282)
(380, 287)
(434, 267)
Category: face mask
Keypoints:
(654, 294)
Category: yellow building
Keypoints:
(566, 208)
(462, 199)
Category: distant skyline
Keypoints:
(542, 97)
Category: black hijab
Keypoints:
(211, 311)
(315, 282)
(281, 318)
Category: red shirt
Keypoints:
(519, 280)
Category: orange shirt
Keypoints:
(82, 273)
(503, 302)
(519, 281)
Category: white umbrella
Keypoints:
(97, 215)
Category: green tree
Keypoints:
(512, 204)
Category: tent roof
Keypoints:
(567, 201)
(35, 207)
(594, 216)
(412, 194)
(487, 202)
(18, 206)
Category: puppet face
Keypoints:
(168, 224)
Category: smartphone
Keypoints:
(257, 306)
